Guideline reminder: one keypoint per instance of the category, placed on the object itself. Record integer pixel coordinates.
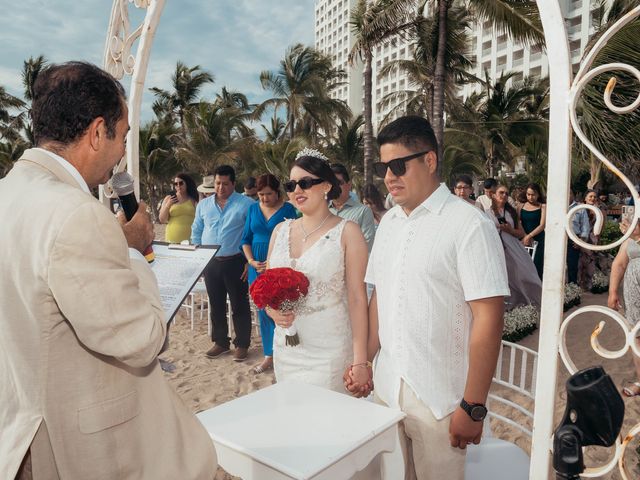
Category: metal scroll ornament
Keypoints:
(583, 77)
(118, 57)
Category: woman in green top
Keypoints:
(179, 209)
(533, 216)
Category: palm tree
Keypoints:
(420, 69)
(212, 134)
(617, 136)
(10, 152)
(10, 123)
(346, 147)
(186, 86)
(275, 130)
(157, 162)
(496, 123)
(372, 23)
(302, 85)
(519, 19)
(31, 68)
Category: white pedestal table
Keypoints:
(298, 431)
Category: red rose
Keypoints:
(277, 285)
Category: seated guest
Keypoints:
(262, 218)
(372, 198)
(179, 209)
(524, 282)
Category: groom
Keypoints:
(438, 268)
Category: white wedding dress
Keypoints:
(323, 324)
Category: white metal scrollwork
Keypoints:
(553, 332)
(119, 60)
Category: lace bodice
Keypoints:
(322, 263)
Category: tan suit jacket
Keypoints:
(80, 328)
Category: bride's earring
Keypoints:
(325, 196)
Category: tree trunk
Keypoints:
(368, 119)
(292, 127)
(439, 77)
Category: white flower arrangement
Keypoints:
(599, 282)
(572, 295)
(520, 322)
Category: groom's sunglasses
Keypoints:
(305, 184)
(397, 166)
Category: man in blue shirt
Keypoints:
(220, 220)
(581, 227)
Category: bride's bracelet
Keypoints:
(363, 364)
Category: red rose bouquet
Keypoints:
(282, 289)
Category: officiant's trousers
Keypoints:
(223, 277)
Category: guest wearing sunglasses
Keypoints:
(332, 253)
(345, 206)
(464, 188)
(178, 209)
(436, 314)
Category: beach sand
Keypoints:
(204, 383)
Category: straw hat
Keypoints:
(208, 184)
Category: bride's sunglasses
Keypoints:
(397, 166)
(305, 183)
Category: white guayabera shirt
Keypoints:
(425, 268)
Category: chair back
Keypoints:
(532, 249)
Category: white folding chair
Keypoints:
(515, 377)
(198, 295)
(532, 249)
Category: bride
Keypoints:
(332, 324)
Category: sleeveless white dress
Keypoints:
(323, 324)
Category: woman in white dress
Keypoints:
(332, 325)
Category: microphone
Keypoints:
(122, 184)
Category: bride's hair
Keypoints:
(321, 169)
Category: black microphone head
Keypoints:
(122, 183)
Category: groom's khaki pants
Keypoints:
(424, 441)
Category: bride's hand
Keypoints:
(358, 379)
(282, 319)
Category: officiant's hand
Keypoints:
(282, 319)
(463, 430)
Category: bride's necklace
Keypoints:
(306, 235)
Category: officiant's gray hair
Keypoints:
(321, 169)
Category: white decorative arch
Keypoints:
(120, 61)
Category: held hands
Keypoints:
(527, 241)
(139, 230)
(358, 379)
(463, 430)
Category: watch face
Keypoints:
(478, 412)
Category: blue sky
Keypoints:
(232, 39)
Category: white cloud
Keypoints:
(233, 39)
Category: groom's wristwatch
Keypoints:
(476, 411)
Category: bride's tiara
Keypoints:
(311, 152)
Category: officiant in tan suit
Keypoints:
(82, 395)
